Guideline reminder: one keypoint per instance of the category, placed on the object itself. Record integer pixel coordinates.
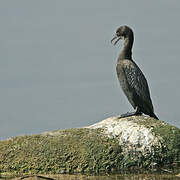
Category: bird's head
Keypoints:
(121, 33)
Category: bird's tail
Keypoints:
(154, 116)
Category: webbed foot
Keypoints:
(128, 114)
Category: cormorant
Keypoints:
(131, 78)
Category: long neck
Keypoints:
(126, 52)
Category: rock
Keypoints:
(111, 145)
(33, 177)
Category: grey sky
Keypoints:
(57, 66)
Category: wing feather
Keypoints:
(138, 83)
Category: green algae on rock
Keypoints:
(108, 146)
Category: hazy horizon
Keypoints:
(57, 64)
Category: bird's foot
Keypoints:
(128, 114)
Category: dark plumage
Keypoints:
(131, 78)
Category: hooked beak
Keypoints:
(116, 37)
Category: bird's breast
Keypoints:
(121, 67)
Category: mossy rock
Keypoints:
(108, 146)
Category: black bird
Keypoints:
(131, 78)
